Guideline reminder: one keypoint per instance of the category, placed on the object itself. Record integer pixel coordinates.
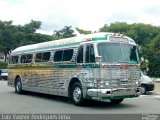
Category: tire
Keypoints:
(143, 89)
(117, 101)
(77, 94)
(18, 86)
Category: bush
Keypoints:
(3, 65)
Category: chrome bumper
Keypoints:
(113, 92)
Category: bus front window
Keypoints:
(117, 53)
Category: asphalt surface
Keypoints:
(35, 103)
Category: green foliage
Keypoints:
(32, 26)
(3, 65)
(12, 36)
(151, 52)
(7, 31)
(143, 33)
(118, 27)
(81, 31)
(66, 32)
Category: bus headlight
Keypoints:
(107, 83)
(137, 83)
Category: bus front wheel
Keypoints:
(18, 86)
(77, 94)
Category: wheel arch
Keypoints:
(72, 81)
(145, 86)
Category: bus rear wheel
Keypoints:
(18, 86)
(77, 94)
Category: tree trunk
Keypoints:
(5, 57)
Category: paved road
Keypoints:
(11, 102)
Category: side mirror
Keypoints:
(98, 59)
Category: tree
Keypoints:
(66, 32)
(31, 27)
(142, 33)
(81, 31)
(117, 27)
(12, 36)
(6, 37)
(151, 52)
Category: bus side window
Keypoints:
(90, 57)
(46, 57)
(38, 57)
(29, 58)
(26, 58)
(80, 55)
(67, 55)
(23, 59)
(58, 56)
(13, 60)
(42, 57)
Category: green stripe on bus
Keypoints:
(52, 66)
(99, 38)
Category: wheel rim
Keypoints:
(77, 94)
(18, 86)
(143, 90)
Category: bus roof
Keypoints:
(73, 41)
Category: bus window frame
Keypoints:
(50, 59)
(26, 54)
(10, 59)
(89, 44)
(84, 53)
(78, 54)
(70, 61)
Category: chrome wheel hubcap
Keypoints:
(18, 86)
(77, 94)
(142, 90)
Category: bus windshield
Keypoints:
(118, 53)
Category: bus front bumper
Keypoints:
(113, 93)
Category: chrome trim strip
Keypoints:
(113, 92)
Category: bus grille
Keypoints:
(115, 74)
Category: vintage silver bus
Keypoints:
(99, 66)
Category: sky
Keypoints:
(85, 14)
